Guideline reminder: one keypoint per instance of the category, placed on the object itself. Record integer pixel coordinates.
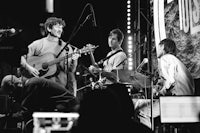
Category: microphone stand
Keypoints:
(73, 34)
(68, 42)
(76, 30)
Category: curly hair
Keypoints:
(50, 22)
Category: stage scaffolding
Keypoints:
(143, 36)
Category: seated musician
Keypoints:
(175, 80)
(36, 95)
(116, 58)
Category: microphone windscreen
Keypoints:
(12, 30)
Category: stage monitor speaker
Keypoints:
(180, 109)
(53, 122)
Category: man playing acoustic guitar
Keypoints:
(48, 48)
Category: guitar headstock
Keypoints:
(88, 48)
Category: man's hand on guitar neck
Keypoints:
(76, 55)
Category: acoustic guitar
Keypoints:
(46, 64)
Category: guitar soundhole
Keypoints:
(45, 66)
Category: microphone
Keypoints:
(12, 30)
(87, 18)
(93, 14)
(145, 60)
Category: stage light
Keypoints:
(130, 59)
(130, 43)
(130, 50)
(130, 38)
(128, 10)
(130, 46)
(130, 68)
(50, 6)
(128, 27)
(130, 55)
(130, 63)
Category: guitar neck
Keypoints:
(80, 51)
(57, 60)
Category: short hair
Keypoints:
(8, 84)
(51, 21)
(169, 46)
(119, 33)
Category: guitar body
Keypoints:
(41, 64)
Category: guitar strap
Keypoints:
(60, 44)
(108, 57)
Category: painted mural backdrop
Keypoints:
(180, 20)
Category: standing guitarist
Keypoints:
(116, 59)
(47, 49)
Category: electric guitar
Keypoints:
(47, 64)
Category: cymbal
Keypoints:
(132, 77)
